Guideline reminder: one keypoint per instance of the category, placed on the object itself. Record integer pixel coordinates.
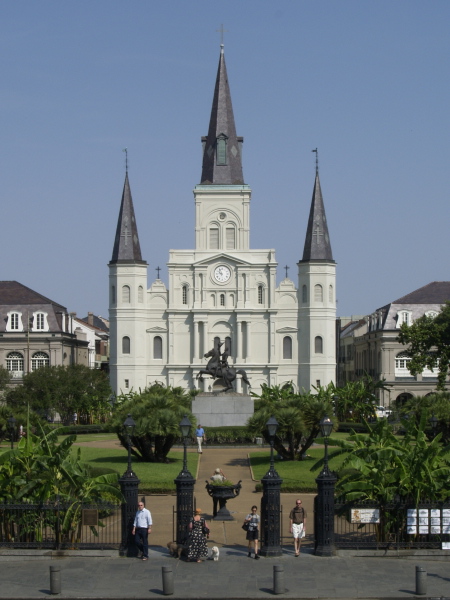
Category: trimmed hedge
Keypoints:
(349, 427)
(228, 435)
(80, 429)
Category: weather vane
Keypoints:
(126, 159)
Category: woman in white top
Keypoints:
(253, 520)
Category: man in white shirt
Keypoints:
(142, 526)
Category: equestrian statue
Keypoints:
(218, 368)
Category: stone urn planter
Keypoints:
(220, 494)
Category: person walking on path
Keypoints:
(297, 518)
(142, 526)
(197, 548)
(201, 437)
(253, 520)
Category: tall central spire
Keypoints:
(222, 161)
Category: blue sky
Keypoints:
(367, 83)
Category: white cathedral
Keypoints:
(222, 290)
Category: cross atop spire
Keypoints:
(221, 31)
(317, 160)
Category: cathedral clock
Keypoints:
(222, 274)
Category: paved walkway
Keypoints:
(26, 574)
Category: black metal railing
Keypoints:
(60, 525)
(395, 525)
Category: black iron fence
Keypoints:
(393, 526)
(60, 525)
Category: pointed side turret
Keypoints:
(317, 299)
(317, 242)
(126, 244)
(222, 160)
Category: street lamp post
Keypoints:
(270, 502)
(185, 489)
(12, 429)
(129, 483)
(324, 501)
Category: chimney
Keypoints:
(90, 318)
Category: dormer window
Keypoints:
(221, 154)
(40, 321)
(404, 317)
(14, 322)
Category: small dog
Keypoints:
(215, 553)
(175, 549)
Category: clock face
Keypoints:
(222, 274)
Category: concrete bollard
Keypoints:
(167, 581)
(55, 580)
(278, 580)
(421, 581)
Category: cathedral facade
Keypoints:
(222, 291)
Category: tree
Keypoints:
(356, 400)
(429, 344)
(64, 390)
(5, 378)
(381, 466)
(298, 417)
(437, 406)
(157, 412)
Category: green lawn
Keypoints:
(296, 475)
(155, 477)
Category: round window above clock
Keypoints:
(222, 274)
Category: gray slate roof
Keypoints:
(13, 293)
(317, 242)
(222, 122)
(126, 245)
(436, 292)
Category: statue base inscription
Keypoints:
(222, 409)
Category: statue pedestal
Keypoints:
(222, 409)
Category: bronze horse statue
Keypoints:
(218, 368)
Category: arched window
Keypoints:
(113, 294)
(318, 293)
(330, 293)
(38, 360)
(228, 345)
(287, 347)
(402, 361)
(140, 294)
(184, 293)
(157, 347)
(260, 294)
(126, 345)
(213, 300)
(126, 294)
(216, 342)
(222, 299)
(318, 345)
(304, 294)
(14, 364)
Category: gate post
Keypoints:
(324, 501)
